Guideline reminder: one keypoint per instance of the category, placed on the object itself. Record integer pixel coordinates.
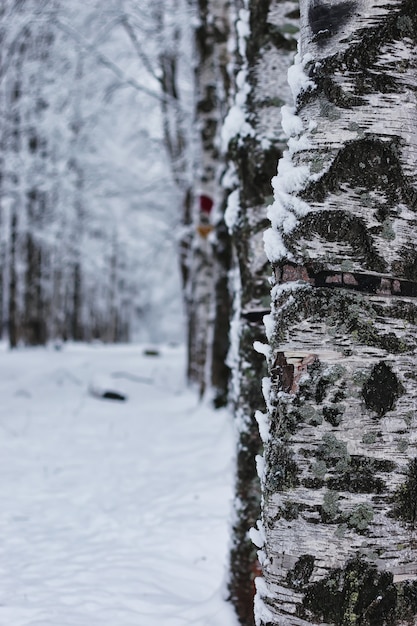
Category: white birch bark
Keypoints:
(211, 37)
(339, 483)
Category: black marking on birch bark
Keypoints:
(368, 163)
(340, 226)
(364, 81)
(113, 395)
(360, 58)
(382, 389)
(299, 576)
(333, 414)
(333, 92)
(360, 475)
(326, 20)
(360, 594)
(289, 511)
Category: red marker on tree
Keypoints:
(206, 204)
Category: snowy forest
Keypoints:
(86, 195)
(240, 176)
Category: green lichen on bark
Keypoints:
(286, 419)
(357, 518)
(360, 517)
(283, 473)
(346, 312)
(332, 466)
(330, 509)
(369, 438)
(319, 470)
(334, 453)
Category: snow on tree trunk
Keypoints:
(254, 138)
(340, 465)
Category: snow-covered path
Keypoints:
(111, 513)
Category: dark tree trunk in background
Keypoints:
(222, 310)
(12, 287)
(34, 324)
(340, 479)
(24, 174)
(264, 54)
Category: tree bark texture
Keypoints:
(340, 462)
(209, 309)
(266, 45)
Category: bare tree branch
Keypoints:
(106, 62)
(138, 48)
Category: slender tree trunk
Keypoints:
(34, 326)
(77, 330)
(12, 301)
(340, 478)
(222, 311)
(265, 54)
(12, 177)
(208, 259)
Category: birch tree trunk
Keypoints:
(338, 532)
(265, 49)
(209, 320)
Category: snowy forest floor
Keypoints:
(111, 513)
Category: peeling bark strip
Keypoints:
(366, 283)
(340, 478)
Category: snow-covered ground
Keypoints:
(111, 513)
